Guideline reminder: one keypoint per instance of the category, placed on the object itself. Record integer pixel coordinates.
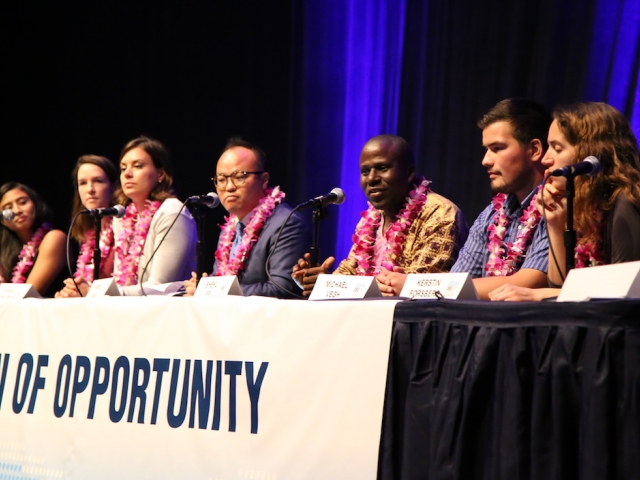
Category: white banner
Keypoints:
(166, 388)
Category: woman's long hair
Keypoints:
(10, 243)
(161, 160)
(600, 130)
(85, 223)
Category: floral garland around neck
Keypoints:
(364, 237)
(589, 254)
(84, 265)
(505, 259)
(27, 255)
(130, 242)
(231, 266)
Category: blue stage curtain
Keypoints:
(351, 68)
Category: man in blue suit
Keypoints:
(257, 212)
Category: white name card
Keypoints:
(218, 286)
(621, 280)
(344, 286)
(17, 291)
(439, 285)
(104, 287)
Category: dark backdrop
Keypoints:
(88, 79)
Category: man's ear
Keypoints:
(412, 172)
(265, 180)
(537, 150)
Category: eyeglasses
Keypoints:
(237, 178)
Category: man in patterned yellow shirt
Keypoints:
(406, 229)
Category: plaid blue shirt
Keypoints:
(475, 255)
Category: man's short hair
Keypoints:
(257, 151)
(400, 147)
(528, 119)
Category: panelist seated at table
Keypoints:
(606, 205)
(146, 191)
(406, 229)
(508, 243)
(95, 179)
(256, 215)
(31, 251)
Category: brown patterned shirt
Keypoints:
(432, 242)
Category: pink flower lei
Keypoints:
(589, 254)
(506, 258)
(130, 242)
(85, 259)
(231, 266)
(27, 255)
(364, 237)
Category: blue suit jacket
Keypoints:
(294, 241)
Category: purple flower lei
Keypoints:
(364, 237)
(505, 259)
(130, 241)
(27, 255)
(84, 265)
(231, 266)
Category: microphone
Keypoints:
(335, 196)
(7, 215)
(210, 200)
(589, 166)
(117, 211)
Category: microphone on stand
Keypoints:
(117, 211)
(589, 166)
(336, 196)
(7, 215)
(210, 200)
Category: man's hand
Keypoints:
(391, 283)
(191, 284)
(307, 276)
(514, 293)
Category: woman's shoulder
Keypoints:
(53, 238)
(172, 206)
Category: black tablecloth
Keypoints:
(480, 390)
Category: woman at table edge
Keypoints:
(607, 205)
(31, 251)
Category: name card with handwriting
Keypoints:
(344, 286)
(17, 291)
(104, 287)
(439, 285)
(218, 286)
(621, 280)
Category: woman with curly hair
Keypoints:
(607, 205)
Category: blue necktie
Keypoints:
(238, 239)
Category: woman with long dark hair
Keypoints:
(31, 251)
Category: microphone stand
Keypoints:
(199, 214)
(569, 233)
(96, 250)
(319, 213)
